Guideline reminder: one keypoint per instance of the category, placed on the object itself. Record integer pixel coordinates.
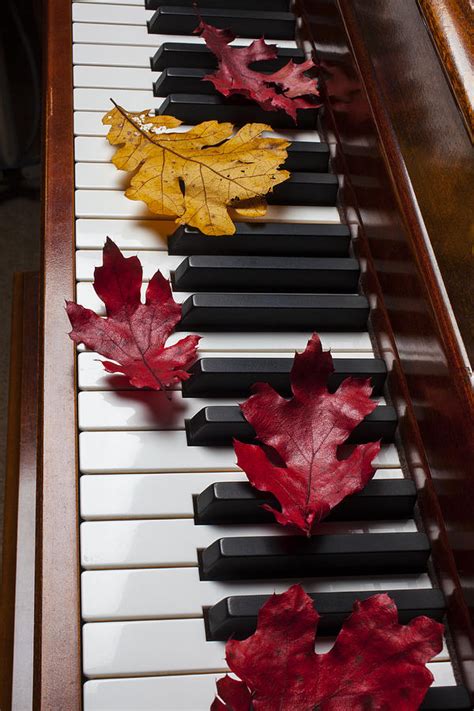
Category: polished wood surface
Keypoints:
(450, 23)
(407, 197)
(58, 657)
(18, 570)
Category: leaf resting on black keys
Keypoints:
(297, 460)
(197, 176)
(285, 89)
(375, 662)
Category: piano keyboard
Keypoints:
(176, 554)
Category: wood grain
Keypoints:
(406, 196)
(58, 657)
(450, 24)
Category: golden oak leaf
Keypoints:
(197, 176)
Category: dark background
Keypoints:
(20, 169)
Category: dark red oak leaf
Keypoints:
(283, 89)
(133, 334)
(299, 461)
(374, 664)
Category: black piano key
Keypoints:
(276, 5)
(184, 80)
(194, 108)
(215, 273)
(179, 20)
(446, 698)
(307, 156)
(264, 557)
(305, 189)
(236, 616)
(233, 377)
(230, 502)
(266, 238)
(185, 54)
(274, 312)
(219, 424)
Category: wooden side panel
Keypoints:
(58, 655)
(450, 23)
(406, 196)
(18, 570)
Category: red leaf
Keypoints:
(375, 662)
(234, 75)
(133, 334)
(299, 463)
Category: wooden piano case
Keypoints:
(403, 151)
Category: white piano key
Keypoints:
(101, 176)
(128, 452)
(155, 543)
(92, 376)
(130, 99)
(127, 234)
(87, 260)
(87, 297)
(116, 2)
(246, 343)
(95, 33)
(110, 14)
(166, 647)
(112, 55)
(114, 204)
(162, 593)
(136, 35)
(183, 693)
(88, 124)
(139, 496)
(114, 77)
(139, 409)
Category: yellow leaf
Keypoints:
(199, 175)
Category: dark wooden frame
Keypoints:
(17, 593)
(431, 395)
(58, 632)
(412, 320)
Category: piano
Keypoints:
(132, 543)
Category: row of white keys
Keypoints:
(167, 451)
(183, 693)
(166, 495)
(125, 648)
(92, 375)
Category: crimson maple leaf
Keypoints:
(298, 462)
(375, 662)
(133, 334)
(283, 89)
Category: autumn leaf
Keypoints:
(196, 176)
(133, 334)
(375, 662)
(298, 462)
(283, 89)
